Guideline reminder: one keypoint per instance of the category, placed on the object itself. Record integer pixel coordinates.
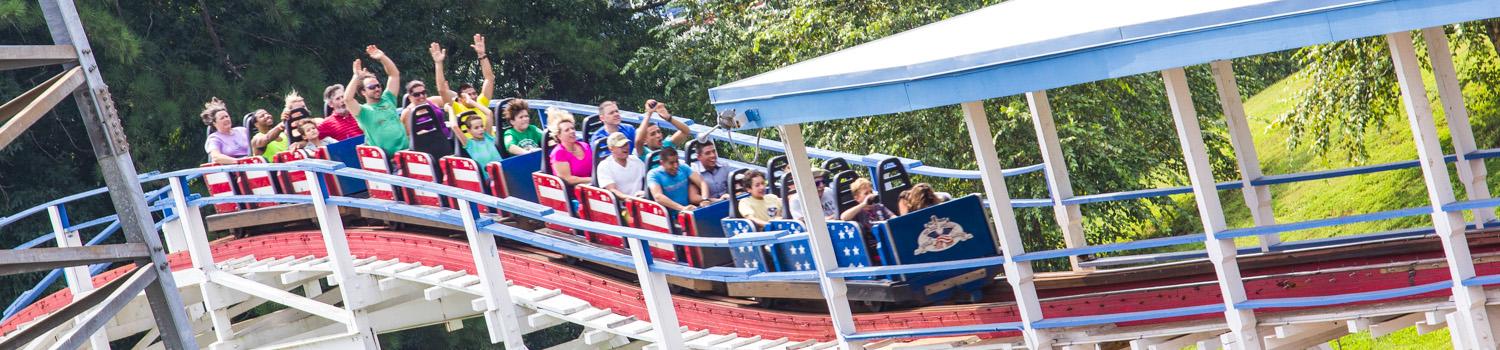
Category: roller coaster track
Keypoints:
(423, 282)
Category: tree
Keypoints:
(1354, 88)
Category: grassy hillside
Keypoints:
(1353, 194)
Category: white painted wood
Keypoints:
(214, 295)
(1069, 217)
(835, 292)
(1381, 329)
(1471, 172)
(1018, 274)
(358, 291)
(1221, 252)
(657, 294)
(279, 296)
(501, 318)
(1473, 321)
(79, 280)
(1257, 198)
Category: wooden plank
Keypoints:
(27, 56)
(26, 109)
(268, 216)
(39, 259)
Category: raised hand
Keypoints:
(438, 52)
(374, 53)
(359, 66)
(478, 45)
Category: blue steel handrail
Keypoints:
(509, 204)
(912, 166)
(30, 295)
(7, 220)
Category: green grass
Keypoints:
(1350, 195)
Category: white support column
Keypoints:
(1221, 251)
(1017, 273)
(1471, 172)
(80, 281)
(1257, 198)
(175, 236)
(500, 316)
(1069, 218)
(358, 291)
(658, 295)
(1473, 321)
(818, 238)
(216, 299)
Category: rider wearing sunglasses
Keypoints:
(379, 115)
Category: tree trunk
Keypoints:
(1492, 30)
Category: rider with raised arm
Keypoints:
(651, 137)
(379, 115)
(468, 98)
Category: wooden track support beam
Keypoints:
(24, 110)
(1018, 273)
(1221, 251)
(1257, 198)
(1472, 330)
(1069, 217)
(27, 56)
(1471, 171)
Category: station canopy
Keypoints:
(1030, 45)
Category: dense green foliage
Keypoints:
(1353, 86)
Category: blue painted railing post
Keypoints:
(1257, 198)
(80, 281)
(500, 316)
(1221, 250)
(1003, 216)
(1472, 327)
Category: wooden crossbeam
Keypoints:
(41, 259)
(242, 285)
(27, 56)
(80, 334)
(78, 307)
(24, 110)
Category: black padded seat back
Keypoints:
(736, 187)
(842, 190)
(836, 165)
(788, 185)
(893, 179)
(774, 169)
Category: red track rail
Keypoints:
(721, 318)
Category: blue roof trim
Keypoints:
(1079, 58)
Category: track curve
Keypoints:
(624, 298)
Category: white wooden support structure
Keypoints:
(358, 291)
(500, 316)
(1221, 251)
(174, 234)
(80, 281)
(1257, 198)
(1471, 172)
(1472, 329)
(658, 296)
(818, 238)
(216, 298)
(1017, 273)
(1069, 217)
